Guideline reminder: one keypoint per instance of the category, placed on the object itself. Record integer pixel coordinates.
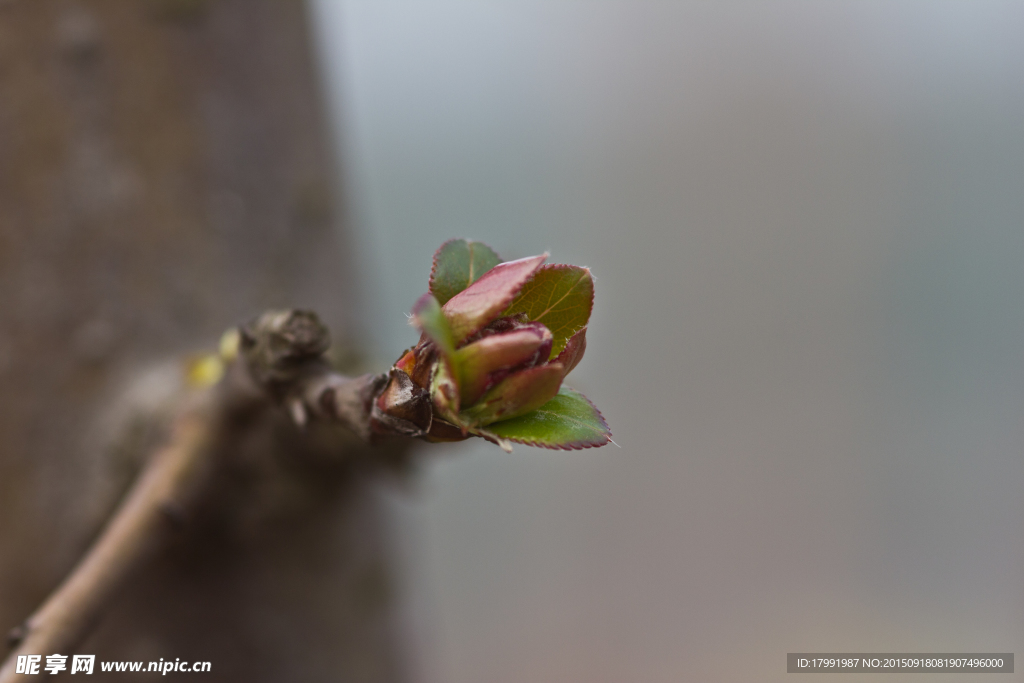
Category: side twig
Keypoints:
(279, 363)
(135, 533)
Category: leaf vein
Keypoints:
(552, 295)
(571, 419)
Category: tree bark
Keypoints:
(164, 174)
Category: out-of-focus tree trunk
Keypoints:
(164, 174)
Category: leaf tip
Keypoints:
(457, 264)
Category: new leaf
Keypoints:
(559, 296)
(458, 264)
(483, 301)
(568, 421)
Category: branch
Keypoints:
(279, 362)
(136, 532)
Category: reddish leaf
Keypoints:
(483, 301)
(572, 354)
(475, 362)
(518, 393)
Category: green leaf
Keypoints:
(568, 421)
(458, 264)
(428, 318)
(559, 296)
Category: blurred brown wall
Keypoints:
(164, 174)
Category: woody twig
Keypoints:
(280, 364)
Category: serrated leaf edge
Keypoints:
(552, 266)
(560, 358)
(433, 265)
(511, 296)
(499, 441)
(572, 446)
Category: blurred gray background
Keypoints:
(806, 222)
